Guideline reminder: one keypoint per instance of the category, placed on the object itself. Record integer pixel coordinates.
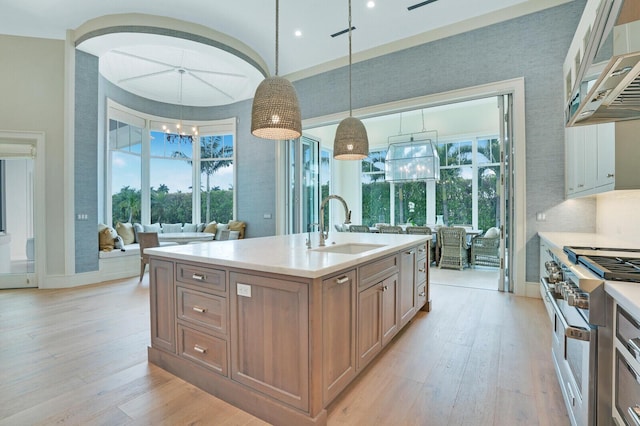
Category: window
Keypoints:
(467, 193)
(469, 176)
(125, 143)
(156, 176)
(376, 207)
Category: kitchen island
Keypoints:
(279, 329)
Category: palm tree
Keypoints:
(210, 147)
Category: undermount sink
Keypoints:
(349, 248)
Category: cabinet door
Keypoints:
(338, 333)
(163, 305)
(606, 157)
(270, 336)
(389, 308)
(407, 288)
(369, 324)
(589, 153)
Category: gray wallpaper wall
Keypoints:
(85, 162)
(532, 47)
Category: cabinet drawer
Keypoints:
(213, 279)
(421, 253)
(378, 270)
(208, 351)
(628, 331)
(627, 390)
(203, 309)
(421, 271)
(421, 295)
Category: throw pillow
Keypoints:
(152, 228)
(201, 227)
(211, 227)
(189, 227)
(106, 239)
(125, 230)
(137, 228)
(236, 225)
(171, 227)
(234, 235)
(219, 229)
(492, 233)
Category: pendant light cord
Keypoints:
(277, 24)
(350, 109)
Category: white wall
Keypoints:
(617, 215)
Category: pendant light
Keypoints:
(275, 113)
(351, 141)
(180, 131)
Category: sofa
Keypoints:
(119, 251)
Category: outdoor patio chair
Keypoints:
(146, 240)
(453, 247)
(359, 228)
(391, 230)
(485, 249)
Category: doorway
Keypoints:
(508, 163)
(21, 179)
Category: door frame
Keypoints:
(515, 87)
(37, 140)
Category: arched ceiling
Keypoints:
(150, 66)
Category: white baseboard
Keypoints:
(115, 268)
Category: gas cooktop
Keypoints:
(613, 268)
(608, 263)
(574, 252)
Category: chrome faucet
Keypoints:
(347, 216)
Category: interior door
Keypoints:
(505, 105)
(303, 184)
(17, 206)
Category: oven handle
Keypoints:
(570, 331)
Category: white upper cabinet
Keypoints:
(602, 157)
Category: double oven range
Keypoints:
(582, 318)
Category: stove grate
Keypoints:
(613, 268)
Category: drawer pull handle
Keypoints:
(199, 309)
(610, 175)
(634, 346)
(200, 349)
(422, 294)
(634, 413)
(342, 280)
(421, 250)
(408, 252)
(385, 288)
(422, 270)
(199, 277)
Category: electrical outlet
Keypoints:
(244, 290)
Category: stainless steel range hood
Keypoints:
(607, 84)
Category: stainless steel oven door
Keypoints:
(574, 352)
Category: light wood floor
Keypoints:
(78, 357)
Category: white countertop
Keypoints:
(288, 254)
(625, 293)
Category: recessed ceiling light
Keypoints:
(371, 4)
(298, 33)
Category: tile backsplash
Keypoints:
(618, 214)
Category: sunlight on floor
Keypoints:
(478, 277)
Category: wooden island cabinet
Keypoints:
(281, 346)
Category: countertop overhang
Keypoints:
(288, 254)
